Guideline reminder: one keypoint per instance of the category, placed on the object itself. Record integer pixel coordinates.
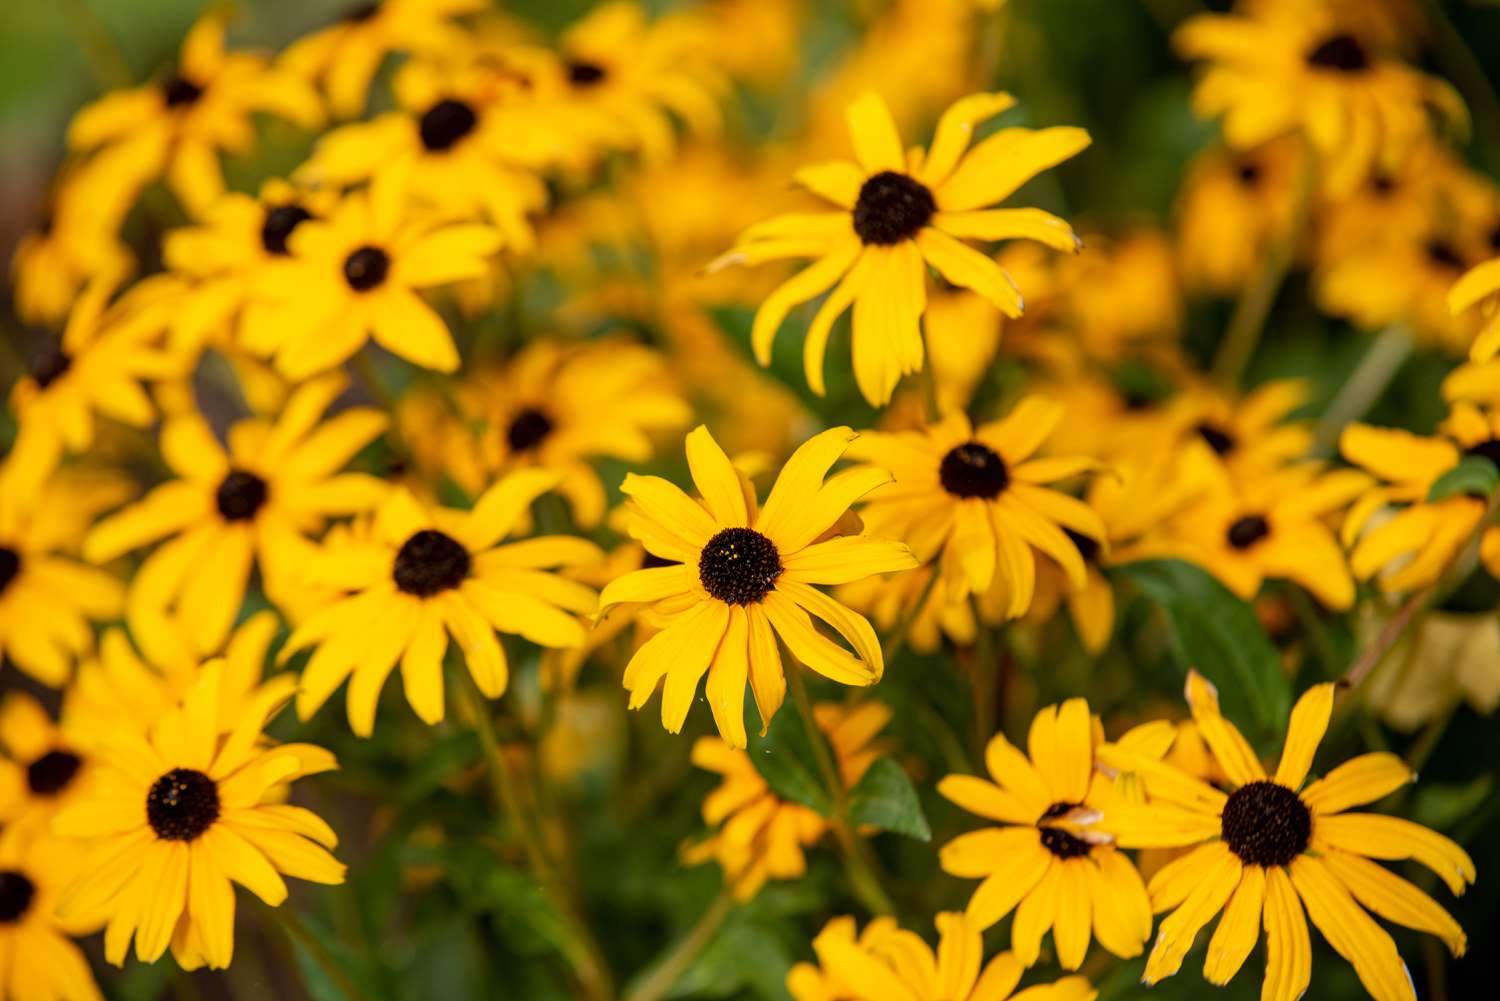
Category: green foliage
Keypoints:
(785, 758)
(1474, 475)
(884, 798)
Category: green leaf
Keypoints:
(1218, 634)
(1474, 475)
(884, 798)
(785, 759)
(1443, 806)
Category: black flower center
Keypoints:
(1489, 449)
(430, 562)
(1248, 172)
(1443, 254)
(1383, 184)
(50, 363)
(739, 565)
(1087, 548)
(366, 268)
(360, 12)
(51, 773)
(182, 804)
(1247, 531)
(1218, 439)
(16, 893)
(528, 429)
(279, 224)
(891, 208)
(582, 73)
(179, 90)
(1266, 824)
(1058, 841)
(973, 469)
(10, 567)
(1494, 239)
(445, 123)
(1341, 52)
(240, 495)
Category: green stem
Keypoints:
(1312, 624)
(985, 680)
(896, 642)
(857, 864)
(286, 918)
(1259, 294)
(587, 959)
(105, 59)
(665, 974)
(1389, 351)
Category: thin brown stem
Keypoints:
(664, 976)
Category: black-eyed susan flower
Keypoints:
(1275, 844)
(742, 575)
(175, 817)
(178, 125)
(887, 963)
(426, 573)
(357, 274)
(42, 768)
(759, 836)
(894, 217)
(1274, 528)
(1311, 68)
(345, 56)
(1231, 208)
(1420, 539)
(977, 501)
(1242, 438)
(47, 599)
(254, 504)
(1053, 873)
(541, 410)
(42, 963)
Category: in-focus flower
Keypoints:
(742, 575)
(888, 963)
(252, 505)
(1273, 845)
(895, 217)
(41, 962)
(177, 816)
(759, 835)
(1054, 873)
(425, 574)
(178, 124)
(977, 501)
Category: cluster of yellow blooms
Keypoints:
(181, 569)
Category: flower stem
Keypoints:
(1391, 347)
(896, 642)
(1259, 294)
(665, 974)
(986, 681)
(287, 919)
(586, 958)
(857, 863)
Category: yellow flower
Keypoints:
(888, 963)
(1276, 528)
(896, 216)
(180, 123)
(1310, 68)
(43, 769)
(344, 57)
(1480, 287)
(743, 575)
(893, 599)
(46, 599)
(40, 960)
(253, 505)
(175, 816)
(976, 500)
(1413, 547)
(429, 572)
(1272, 845)
(357, 274)
(1230, 209)
(1236, 439)
(760, 836)
(1053, 872)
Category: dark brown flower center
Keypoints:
(1247, 531)
(1266, 824)
(1341, 52)
(366, 268)
(1058, 841)
(528, 429)
(50, 363)
(739, 565)
(1248, 172)
(280, 222)
(360, 12)
(430, 562)
(182, 804)
(241, 495)
(52, 772)
(582, 73)
(445, 123)
(16, 893)
(179, 90)
(1494, 239)
(1443, 254)
(892, 207)
(973, 469)
(1218, 439)
(10, 567)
